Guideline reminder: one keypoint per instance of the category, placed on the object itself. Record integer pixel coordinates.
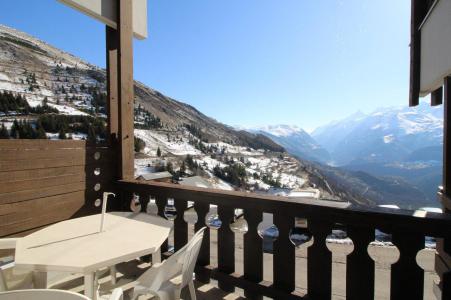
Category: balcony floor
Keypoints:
(127, 274)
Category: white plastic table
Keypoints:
(77, 246)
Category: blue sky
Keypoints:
(252, 62)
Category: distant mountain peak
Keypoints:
(281, 130)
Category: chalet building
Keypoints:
(158, 177)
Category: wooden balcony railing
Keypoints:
(408, 230)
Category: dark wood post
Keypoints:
(125, 86)
(443, 259)
(112, 83)
(418, 12)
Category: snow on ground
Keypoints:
(232, 149)
(210, 162)
(222, 185)
(142, 166)
(154, 140)
(3, 76)
(68, 110)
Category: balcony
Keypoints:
(44, 182)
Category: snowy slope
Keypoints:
(387, 134)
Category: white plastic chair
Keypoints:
(48, 294)
(166, 280)
(11, 278)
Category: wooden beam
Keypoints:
(125, 85)
(437, 97)
(418, 12)
(112, 40)
(447, 139)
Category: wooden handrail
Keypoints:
(386, 219)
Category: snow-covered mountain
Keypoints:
(295, 140)
(386, 135)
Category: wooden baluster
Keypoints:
(446, 285)
(319, 262)
(226, 246)
(180, 226)
(161, 203)
(407, 278)
(204, 255)
(359, 265)
(253, 251)
(446, 276)
(144, 200)
(284, 264)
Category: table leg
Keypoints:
(113, 272)
(40, 280)
(89, 286)
(156, 256)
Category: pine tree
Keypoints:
(4, 132)
(182, 168)
(91, 134)
(159, 152)
(62, 134)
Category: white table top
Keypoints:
(77, 246)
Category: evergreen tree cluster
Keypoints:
(25, 130)
(17, 103)
(139, 144)
(268, 179)
(148, 120)
(98, 101)
(62, 124)
(31, 80)
(4, 134)
(11, 102)
(196, 131)
(234, 174)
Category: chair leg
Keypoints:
(192, 290)
(177, 294)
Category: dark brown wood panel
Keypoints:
(44, 181)
(437, 97)
(180, 226)
(407, 278)
(284, 263)
(226, 246)
(26, 215)
(418, 12)
(319, 263)
(41, 144)
(112, 45)
(204, 254)
(40, 173)
(253, 251)
(360, 265)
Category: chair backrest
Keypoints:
(6, 244)
(41, 295)
(190, 257)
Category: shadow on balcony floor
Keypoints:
(127, 274)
